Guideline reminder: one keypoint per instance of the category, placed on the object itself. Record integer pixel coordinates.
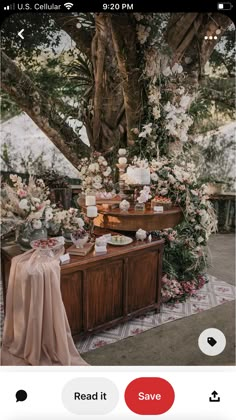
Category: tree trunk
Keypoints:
(41, 109)
(107, 126)
(123, 28)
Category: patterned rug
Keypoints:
(214, 293)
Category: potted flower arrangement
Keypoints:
(68, 221)
(29, 206)
(79, 237)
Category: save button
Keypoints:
(149, 396)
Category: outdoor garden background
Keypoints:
(84, 86)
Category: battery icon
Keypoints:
(224, 6)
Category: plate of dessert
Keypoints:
(119, 240)
(50, 243)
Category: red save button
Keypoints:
(149, 396)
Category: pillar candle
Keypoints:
(92, 211)
(122, 152)
(122, 160)
(90, 200)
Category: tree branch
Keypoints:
(41, 110)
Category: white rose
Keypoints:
(23, 204)
(154, 176)
(171, 179)
(37, 224)
(91, 167)
(48, 214)
(177, 68)
(97, 185)
(107, 171)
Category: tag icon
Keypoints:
(211, 341)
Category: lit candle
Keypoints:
(92, 211)
(90, 200)
(122, 160)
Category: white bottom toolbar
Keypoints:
(178, 393)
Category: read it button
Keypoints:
(149, 396)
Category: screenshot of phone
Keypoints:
(117, 292)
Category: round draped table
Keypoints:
(133, 220)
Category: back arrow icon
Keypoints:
(20, 33)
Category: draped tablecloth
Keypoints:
(36, 330)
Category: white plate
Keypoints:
(126, 241)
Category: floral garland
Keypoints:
(185, 258)
(167, 119)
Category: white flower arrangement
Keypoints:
(144, 195)
(68, 220)
(28, 203)
(96, 174)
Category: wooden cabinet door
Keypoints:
(142, 279)
(103, 293)
(71, 291)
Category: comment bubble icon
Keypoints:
(21, 395)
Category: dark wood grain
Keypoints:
(132, 220)
(142, 280)
(72, 295)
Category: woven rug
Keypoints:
(214, 293)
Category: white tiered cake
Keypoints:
(140, 176)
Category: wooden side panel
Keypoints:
(142, 280)
(104, 293)
(71, 290)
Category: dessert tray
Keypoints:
(119, 240)
(48, 244)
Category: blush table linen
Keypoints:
(36, 330)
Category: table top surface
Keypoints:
(134, 213)
(75, 260)
(223, 196)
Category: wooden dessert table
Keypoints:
(132, 220)
(101, 291)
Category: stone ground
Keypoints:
(176, 343)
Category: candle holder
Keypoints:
(91, 229)
(92, 213)
(122, 165)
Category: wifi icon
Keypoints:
(68, 5)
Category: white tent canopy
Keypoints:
(25, 139)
